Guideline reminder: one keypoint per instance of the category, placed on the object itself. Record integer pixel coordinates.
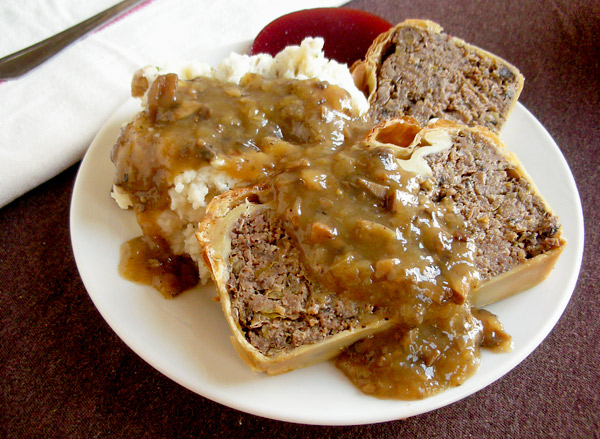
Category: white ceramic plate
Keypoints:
(187, 339)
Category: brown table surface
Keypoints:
(64, 373)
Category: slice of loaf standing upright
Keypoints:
(415, 69)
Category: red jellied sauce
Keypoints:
(348, 33)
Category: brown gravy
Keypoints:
(169, 274)
(369, 233)
(364, 227)
(416, 362)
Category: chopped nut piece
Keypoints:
(320, 232)
(375, 230)
(379, 190)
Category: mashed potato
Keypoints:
(296, 62)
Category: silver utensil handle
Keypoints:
(19, 63)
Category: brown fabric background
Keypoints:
(64, 373)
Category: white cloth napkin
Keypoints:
(49, 116)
